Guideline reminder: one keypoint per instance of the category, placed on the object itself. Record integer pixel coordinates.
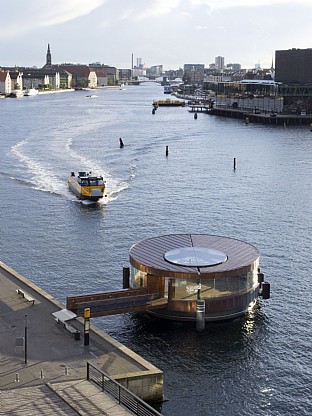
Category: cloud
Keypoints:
(38, 14)
(158, 8)
(222, 4)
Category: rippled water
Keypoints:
(259, 365)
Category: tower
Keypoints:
(49, 58)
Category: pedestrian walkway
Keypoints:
(70, 398)
(87, 399)
(36, 352)
(33, 401)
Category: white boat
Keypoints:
(168, 89)
(31, 91)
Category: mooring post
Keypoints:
(126, 277)
(167, 150)
(234, 164)
(200, 314)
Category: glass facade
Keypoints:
(187, 289)
(137, 278)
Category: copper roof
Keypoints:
(148, 255)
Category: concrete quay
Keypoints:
(55, 361)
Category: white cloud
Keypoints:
(38, 14)
(220, 4)
(158, 8)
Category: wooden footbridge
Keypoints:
(117, 302)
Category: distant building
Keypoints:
(111, 73)
(293, 66)
(16, 76)
(219, 62)
(218, 78)
(194, 73)
(192, 67)
(125, 74)
(41, 78)
(156, 70)
(82, 75)
(49, 57)
(234, 67)
(5, 82)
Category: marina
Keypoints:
(258, 363)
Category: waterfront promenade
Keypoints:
(53, 368)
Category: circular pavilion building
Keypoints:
(192, 277)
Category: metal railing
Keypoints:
(124, 396)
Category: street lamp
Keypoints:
(26, 339)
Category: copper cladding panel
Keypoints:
(148, 255)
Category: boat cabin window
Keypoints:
(93, 181)
(84, 182)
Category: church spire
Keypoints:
(49, 58)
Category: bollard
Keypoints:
(260, 278)
(126, 277)
(167, 150)
(234, 164)
(200, 315)
(265, 292)
(247, 120)
(41, 374)
(66, 371)
(17, 378)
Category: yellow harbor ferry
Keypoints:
(86, 186)
(169, 103)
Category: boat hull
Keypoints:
(31, 92)
(87, 192)
(168, 103)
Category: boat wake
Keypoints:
(41, 178)
(114, 186)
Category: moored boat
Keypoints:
(169, 103)
(168, 89)
(16, 94)
(86, 186)
(30, 92)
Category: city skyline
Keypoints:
(160, 33)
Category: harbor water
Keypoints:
(259, 364)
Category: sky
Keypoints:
(160, 32)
